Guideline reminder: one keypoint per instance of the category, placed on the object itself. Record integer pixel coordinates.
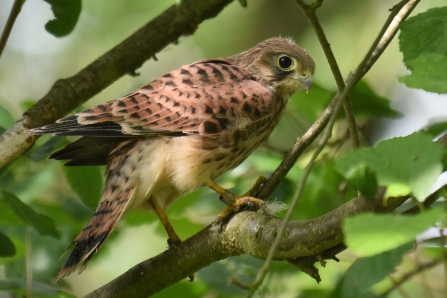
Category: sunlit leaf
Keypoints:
(428, 73)
(413, 160)
(368, 234)
(363, 178)
(424, 33)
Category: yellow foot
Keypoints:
(240, 202)
(235, 203)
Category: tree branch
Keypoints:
(125, 58)
(245, 233)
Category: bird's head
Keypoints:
(280, 64)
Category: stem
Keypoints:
(15, 10)
(409, 275)
(29, 265)
(310, 12)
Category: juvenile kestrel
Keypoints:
(179, 132)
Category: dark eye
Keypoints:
(285, 62)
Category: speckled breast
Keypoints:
(233, 146)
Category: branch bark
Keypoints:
(245, 233)
(125, 58)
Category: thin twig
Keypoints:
(427, 203)
(409, 275)
(353, 79)
(15, 10)
(444, 256)
(310, 12)
(401, 291)
(29, 264)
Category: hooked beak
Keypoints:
(307, 84)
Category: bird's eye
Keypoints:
(285, 62)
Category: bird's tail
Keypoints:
(119, 189)
(95, 233)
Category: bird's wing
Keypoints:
(205, 97)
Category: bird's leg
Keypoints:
(173, 237)
(234, 203)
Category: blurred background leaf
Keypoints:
(41, 223)
(7, 249)
(86, 182)
(66, 13)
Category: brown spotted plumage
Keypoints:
(179, 132)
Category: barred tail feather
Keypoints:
(95, 233)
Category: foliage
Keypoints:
(423, 43)
(41, 196)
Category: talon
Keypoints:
(235, 203)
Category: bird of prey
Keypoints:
(178, 133)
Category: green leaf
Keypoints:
(41, 223)
(366, 272)
(27, 104)
(18, 285)
(243, 3)
(435, 128)
(6, 120)
(364, 179)
(8, 216)
(428, 73)
(368, 104)
(86, 183)
(368, 234)
(424, 33)
(7, 248)
(310, 106)
(66, 13)
(45, 149)
(413, 160)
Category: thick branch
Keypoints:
(125, 58)
(246, 233)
